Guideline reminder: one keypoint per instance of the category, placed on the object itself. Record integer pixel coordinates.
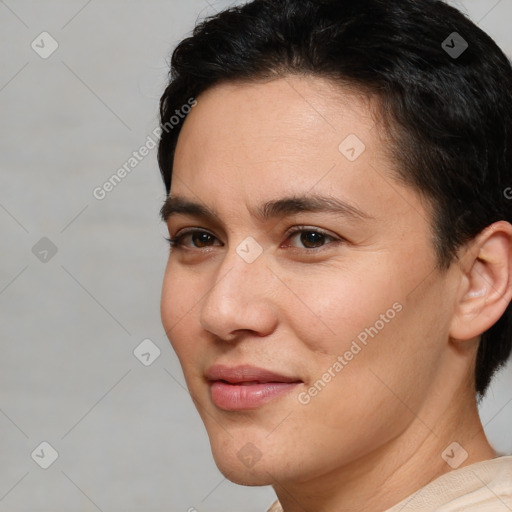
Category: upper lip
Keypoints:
(245, 373)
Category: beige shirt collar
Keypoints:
(481, 487)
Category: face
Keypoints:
(300, 295)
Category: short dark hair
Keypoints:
(448, 114)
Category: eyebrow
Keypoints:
(177, 205)
(287, 206)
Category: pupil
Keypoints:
(201, 239)
(311, 239)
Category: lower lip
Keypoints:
(235, 397)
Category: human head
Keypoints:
(449, 119)
(260, 160)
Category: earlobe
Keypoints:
(486, 282)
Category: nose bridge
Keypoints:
(239, 300)
(243, 269)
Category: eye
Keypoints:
(194, 239)
(310, 238)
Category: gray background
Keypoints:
(127, 435)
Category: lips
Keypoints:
(244, 387)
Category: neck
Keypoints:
(397, 469)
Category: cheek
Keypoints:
(330, 309)
(357, 326)
(366, 296)
(373, 346)
(178, 304)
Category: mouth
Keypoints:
(235, 388)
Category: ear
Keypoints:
(486, 282)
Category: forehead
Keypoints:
(252, 142)
(276, 120)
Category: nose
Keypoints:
(240, 301)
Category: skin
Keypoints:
(375, 433)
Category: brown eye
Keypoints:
(312, 239)
(194, 239)
(202, 239)
(308, 238)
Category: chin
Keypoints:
(241, 461)
(238, 473)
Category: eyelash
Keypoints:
(177, 242)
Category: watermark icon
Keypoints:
(455, 45)
(249, 455)
(44, 45)
(44, 455)
(352, 147)
(304, 397)
(508, 193)
(146, 352)
(44, 250)
(454, 455)
(142, 152)
(249, 250)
